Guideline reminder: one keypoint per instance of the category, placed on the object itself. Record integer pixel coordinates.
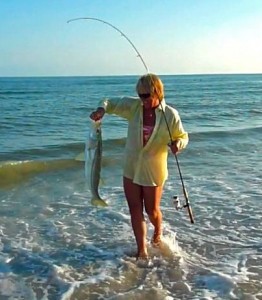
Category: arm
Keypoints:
(121, 106)
(179, 136)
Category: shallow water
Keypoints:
(56, 245)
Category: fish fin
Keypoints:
(102, 181)
(99, 202)
(80, 156)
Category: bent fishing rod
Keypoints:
(176, 200)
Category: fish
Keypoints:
(93, 161)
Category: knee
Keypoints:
(153, 213)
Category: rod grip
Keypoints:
(190, 213)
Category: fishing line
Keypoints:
(122, 34)
(187, 205)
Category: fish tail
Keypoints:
(98, 202)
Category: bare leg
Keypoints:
(134, 196)
(152, 198)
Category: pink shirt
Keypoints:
(147, 131)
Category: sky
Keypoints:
(172, 37)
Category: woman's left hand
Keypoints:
(175, 146)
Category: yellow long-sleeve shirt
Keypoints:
(147, 165)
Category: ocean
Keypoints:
(55, 245)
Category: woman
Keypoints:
(152, 125)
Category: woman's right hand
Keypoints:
(97, 114)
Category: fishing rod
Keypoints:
(176, 199)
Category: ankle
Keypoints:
(156, 238)
(142, 254)
(157, 234)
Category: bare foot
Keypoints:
(142, 255)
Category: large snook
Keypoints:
(93, 158)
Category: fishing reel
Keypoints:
(177, 203)
(180, 206)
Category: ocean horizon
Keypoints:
(131, 75)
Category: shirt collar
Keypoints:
(160, 107)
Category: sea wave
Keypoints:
(14, 172)
(22, 92)
(225, 132)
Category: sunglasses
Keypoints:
(144, 96)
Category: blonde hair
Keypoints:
(152, 84)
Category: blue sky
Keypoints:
(173, 37)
